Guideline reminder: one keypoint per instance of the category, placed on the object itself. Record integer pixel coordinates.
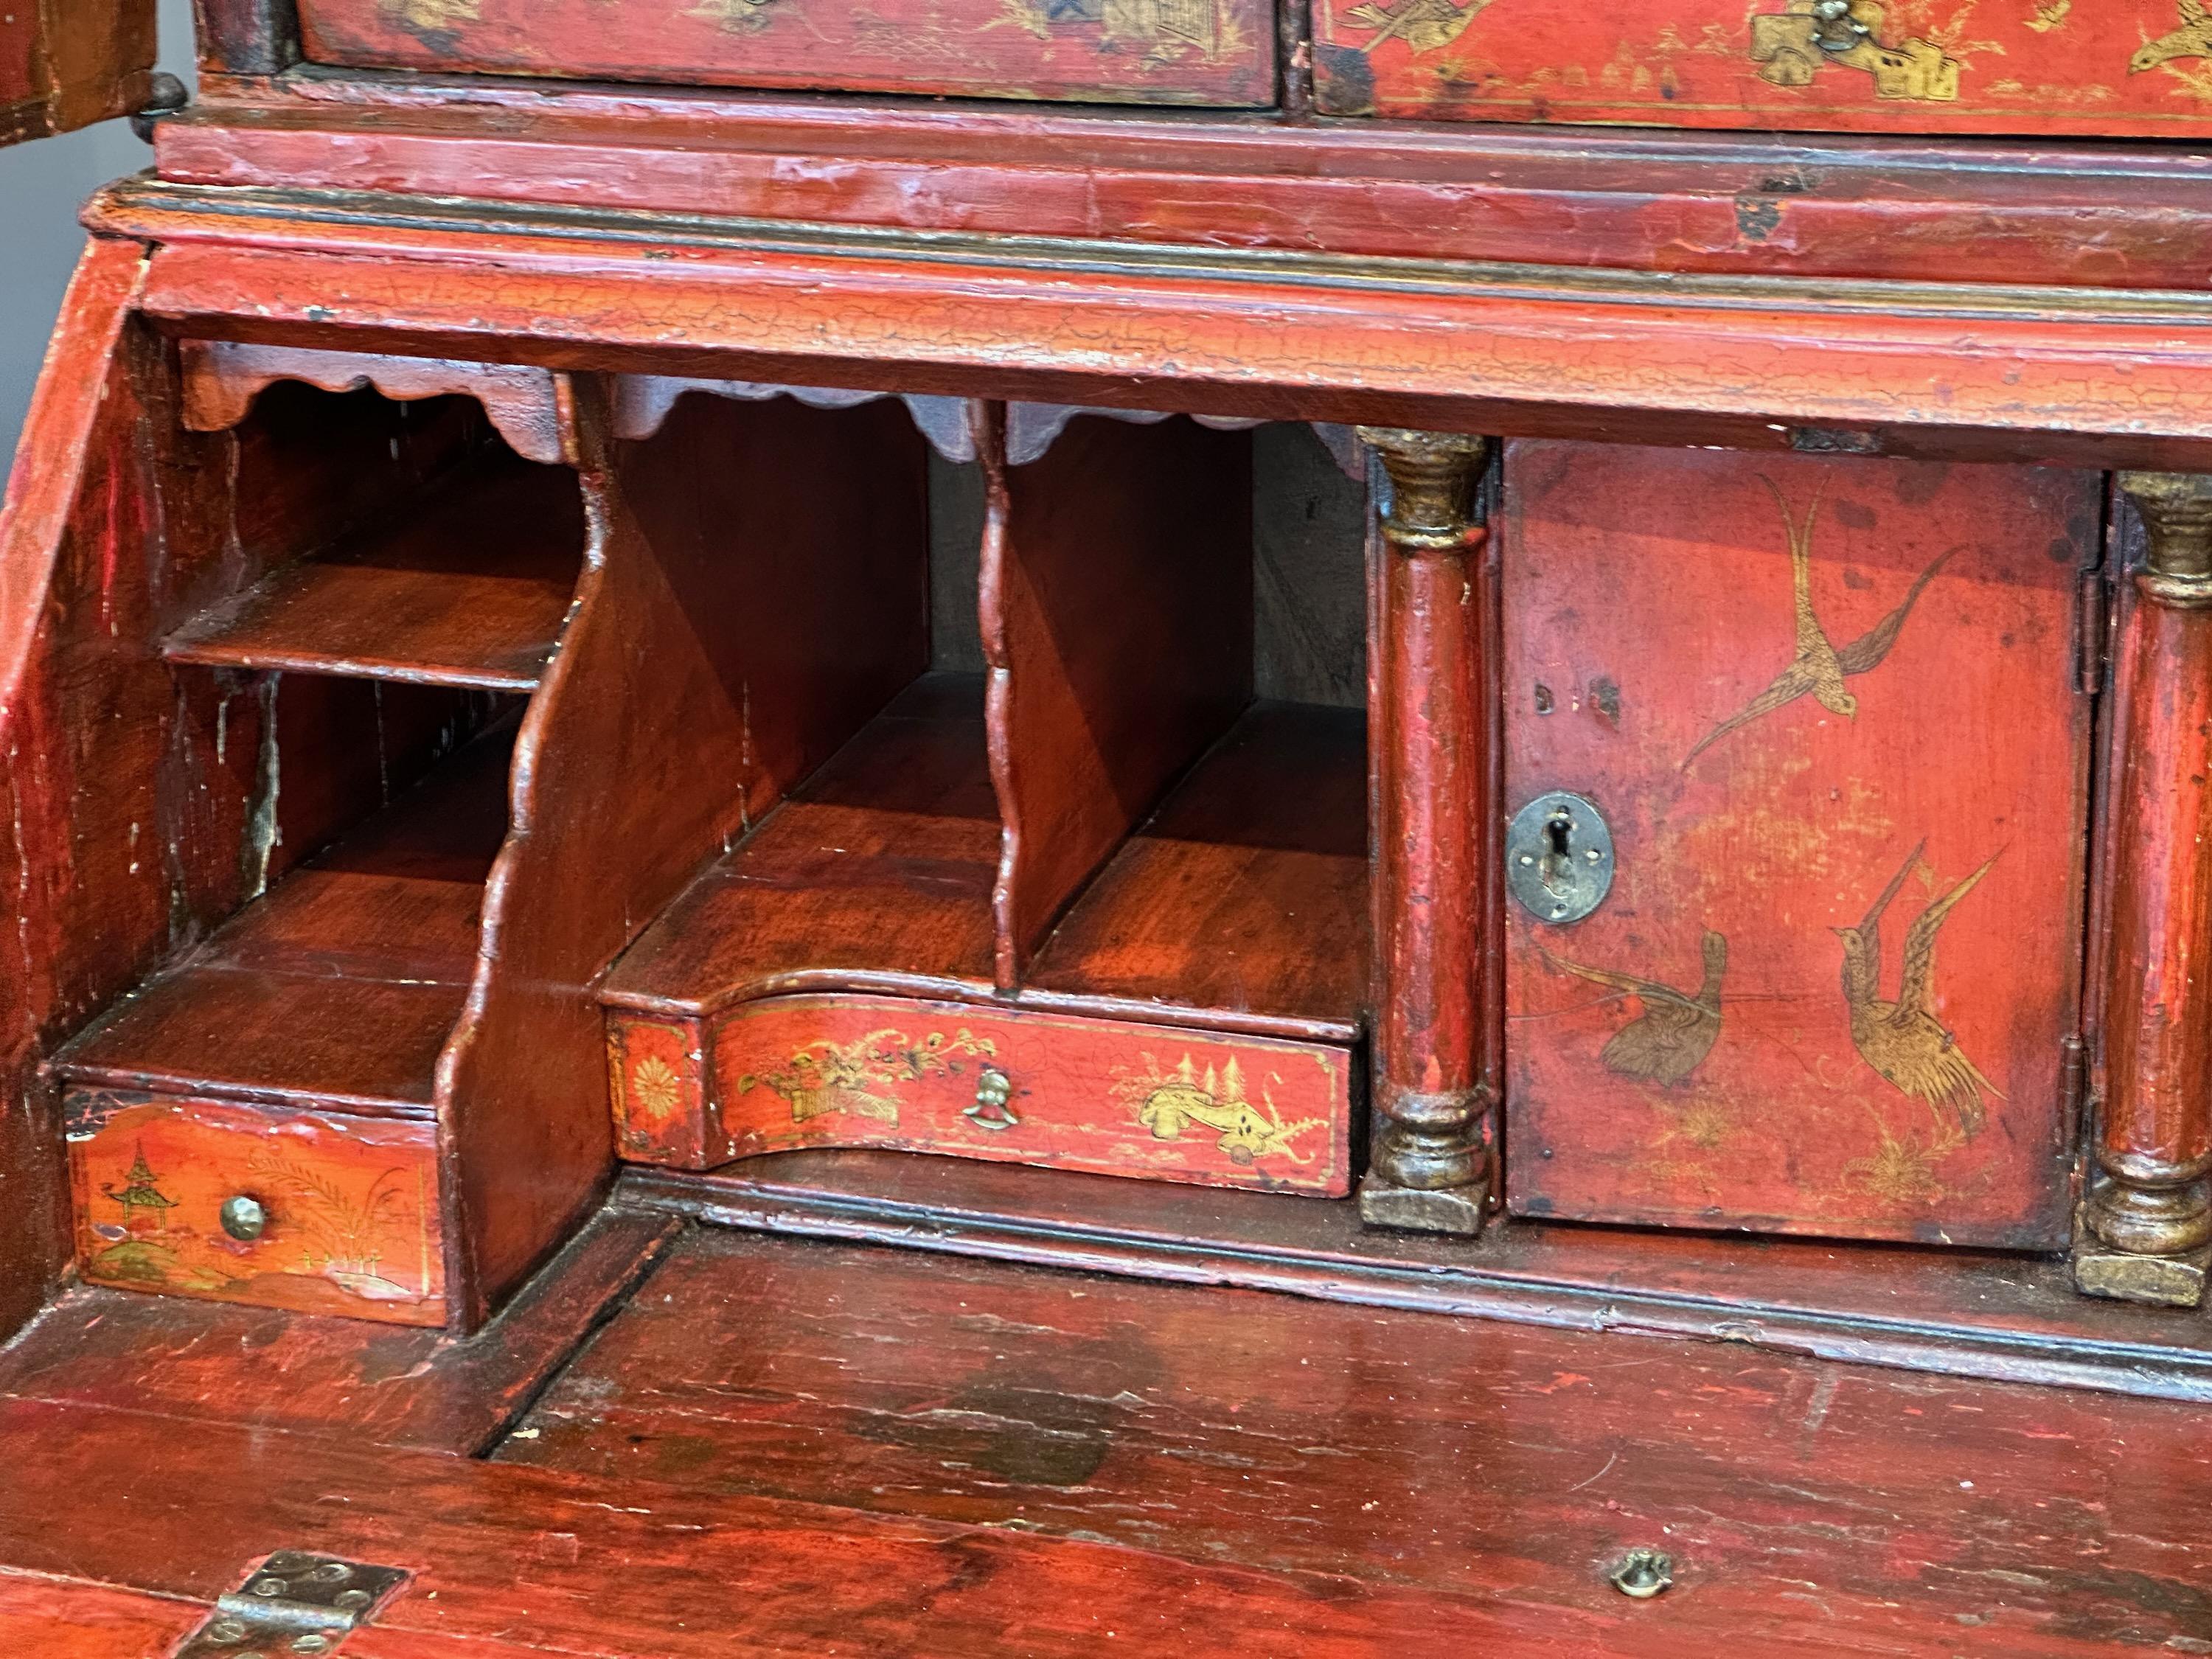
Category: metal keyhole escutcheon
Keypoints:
(1558, 858)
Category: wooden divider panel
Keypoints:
(1117, 623)
(754, 589)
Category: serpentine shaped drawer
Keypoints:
(1111, 1097)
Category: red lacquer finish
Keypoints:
(1432, 746)
(1116, 609)
(2155, 1129)
(1980, 374)
(1830, 710)
(1131, 51)
(1110, 1097)
(57, 1620)
(67, 63)
(84, 928)
(2158, 1055)
(2057, 67)
(348, 1223)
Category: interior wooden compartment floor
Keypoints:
(687, 1441)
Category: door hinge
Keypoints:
(293, 1604)
(2073, 1092)
(2091, 642)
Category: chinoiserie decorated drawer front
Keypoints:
(313, 1212)
(1109, 1096)
(2084, 68)
(1211, 52)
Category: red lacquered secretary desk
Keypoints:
(1515, 658)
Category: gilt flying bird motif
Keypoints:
(1676, 1029)
(2192, 40)
(1423, 25)
(1820, 667)
(1903, 1040)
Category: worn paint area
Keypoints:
(1829, 710)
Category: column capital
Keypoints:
(2177, 512)
(1433, 483)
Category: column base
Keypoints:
(1457, 1210)
(2161, 1281)
(2169, 1279)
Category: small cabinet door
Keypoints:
(66, 63)
(1830, 713)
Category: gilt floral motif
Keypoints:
(864, 1077)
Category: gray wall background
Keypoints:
(42, 185)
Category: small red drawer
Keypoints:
(2072, 68)
(1216, 53)
(1112, 1097)
(292, 1209)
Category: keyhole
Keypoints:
(1559, 846)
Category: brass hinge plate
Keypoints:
(294, 1605)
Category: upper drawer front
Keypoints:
(2080, 67)
(1215, 52)
(344, 1215)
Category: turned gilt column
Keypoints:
(1430, 1162)
(2147, 1221)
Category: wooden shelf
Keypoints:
(1245, 895)
(1246, 892)
(878, 869)
(469, 589)
(340, 987)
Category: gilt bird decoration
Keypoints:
(2192, 40)
(1676, 1029)
(1423, 25)
(1903, 1040)
(1820, 667)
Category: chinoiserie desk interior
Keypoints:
(957, 828)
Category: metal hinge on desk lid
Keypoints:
(293, 1604)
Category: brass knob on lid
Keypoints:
(243, 1217)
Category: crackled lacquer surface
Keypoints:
(2078, 67)
(1144, 52)
(1829, 707)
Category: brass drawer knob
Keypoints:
(243, 1217)
(994, 1108)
